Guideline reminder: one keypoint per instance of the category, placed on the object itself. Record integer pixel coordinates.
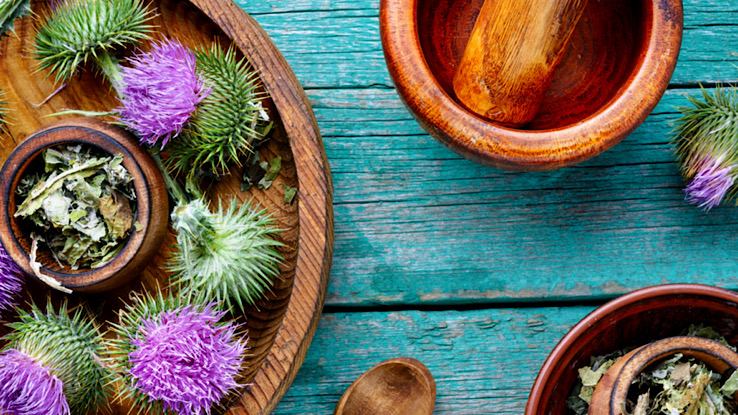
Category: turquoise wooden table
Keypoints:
(478, 272)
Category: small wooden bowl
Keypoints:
(151, 198)
(617, 66)
(635, 319)
(612, 389)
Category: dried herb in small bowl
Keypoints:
(677, 384)
(83, 205)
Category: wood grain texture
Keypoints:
(417, 224)
(511, 55)
(419, 227)
(280, 328)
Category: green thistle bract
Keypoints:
(227, 123)
(11, 10)
(228, 256)
(78, 31)
(71, 347)
(706, 140)
(3, 112)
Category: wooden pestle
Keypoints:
(511, 55)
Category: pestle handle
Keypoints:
(511, 55)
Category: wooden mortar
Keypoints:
(511, 55)
(612, 390)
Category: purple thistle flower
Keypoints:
(710, 184)
(185, 360)
(160, 91)
(28, 388)
(11, 282)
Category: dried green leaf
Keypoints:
(289, 194)
(275, 165)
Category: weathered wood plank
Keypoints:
(483, 361)
(335, 43)
(417, 224)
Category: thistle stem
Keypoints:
(173, 187)
(110, 67)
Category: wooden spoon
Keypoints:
(394, 387)
(612, 389)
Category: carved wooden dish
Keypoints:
(639, 318)
(281, 327)
(618, 64)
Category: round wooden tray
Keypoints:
(281, 327)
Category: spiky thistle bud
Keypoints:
(11, 281)
(81, 31)
(67, 348)
(706, 142)
(176, 355)
(227, 256)
(228, 123)
(159, 91)
(11, 10)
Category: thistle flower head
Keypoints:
(707, 147)
(227, 256)
(69, 348)
(177, 357)
(710, 184)
(10, 281)
(159, 91)
(228, 123)
(27, 387)
(67, 39)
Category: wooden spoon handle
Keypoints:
(512, 52)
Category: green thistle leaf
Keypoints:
(71, 347)
(11, 10)
(79, 31)
(228, 256)
(228, 123)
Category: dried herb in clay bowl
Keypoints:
(280, 323)
(640, 318)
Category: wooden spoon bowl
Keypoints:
(400, 386)
(618, 64)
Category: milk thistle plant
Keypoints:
(11, 10)
(77, 32)
(159, 91)
(51, 364)
(11, 282)
(707, 147)
(228, 123)
(175, 354)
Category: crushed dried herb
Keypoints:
(676, 385)
(83, 205)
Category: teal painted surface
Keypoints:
(417, 226)
(483, 361)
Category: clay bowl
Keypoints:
(633, 320)
(617, 66)
(152, 211)
(281, 326)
